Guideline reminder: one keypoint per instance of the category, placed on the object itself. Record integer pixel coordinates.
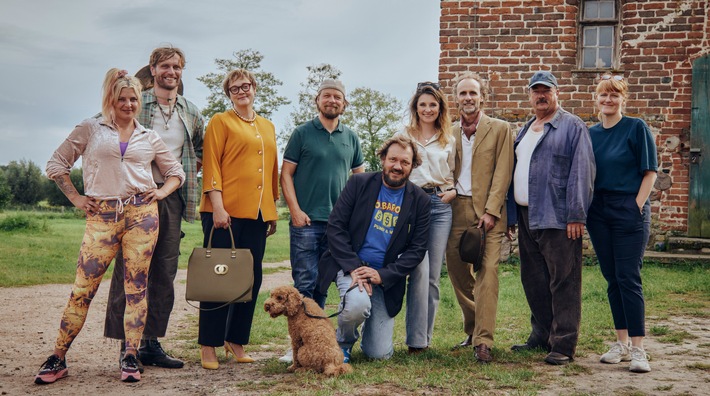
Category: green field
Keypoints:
(45, 251)
(48, 254)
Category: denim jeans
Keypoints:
(423, 284)
(307, 246)
(371, 313)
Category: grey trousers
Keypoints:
(551, 273)
(163, 268)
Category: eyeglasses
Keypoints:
(425, 84)
(234, 90)
(615, 77)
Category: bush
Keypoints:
(22, 222)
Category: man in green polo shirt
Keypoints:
(317, 161)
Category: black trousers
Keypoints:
(163, 268)
(619, 233)
(233, 322)
(551, 273)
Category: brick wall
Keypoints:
(506, 41)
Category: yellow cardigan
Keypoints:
(240, 160)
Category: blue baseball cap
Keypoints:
(543, 77)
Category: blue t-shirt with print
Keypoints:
(384, 219)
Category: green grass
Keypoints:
(49, 256)
(439, 371)
(43, 247)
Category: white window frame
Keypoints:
(587, 23)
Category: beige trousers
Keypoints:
(477, 294)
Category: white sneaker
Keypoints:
(618, 353)
(288, 357)
(639, 361)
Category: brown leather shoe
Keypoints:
(557, 359)
(466, 343)
(482, 353)
(414, 351)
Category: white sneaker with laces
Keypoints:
(288, 357)
(639, 361)
(617, 353)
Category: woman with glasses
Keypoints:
(619, 218)
(240, 176)
(121, 209)
(430, 126)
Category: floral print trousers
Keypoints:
(132, 225)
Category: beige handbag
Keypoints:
(219, 274)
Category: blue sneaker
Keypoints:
(346, 354)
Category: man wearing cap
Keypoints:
(181, 126)
(484, 164)
(318, 159)
(551, 192)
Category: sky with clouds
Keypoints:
(54, 54)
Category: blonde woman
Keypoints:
(430, 127)
(120, 202)
(619, 219)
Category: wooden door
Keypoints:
(699, 194)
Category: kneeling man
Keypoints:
(377, 234)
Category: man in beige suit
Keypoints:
(483, 169)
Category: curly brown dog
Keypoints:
(312, 339)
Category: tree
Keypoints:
(266, 101)
(25, 180)
(56, 197)
(5, 193)
(306, 109)
(374, 116)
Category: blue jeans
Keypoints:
(371, 313)
(307, 246)
(423, 286)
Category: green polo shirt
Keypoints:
(324, 161)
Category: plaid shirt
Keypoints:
(191, 149)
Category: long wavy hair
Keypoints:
(443, 121)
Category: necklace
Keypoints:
(250, 121)
(166, 116)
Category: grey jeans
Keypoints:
(163, 268)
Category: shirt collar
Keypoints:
(319, 125)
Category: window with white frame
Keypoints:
(598, 30)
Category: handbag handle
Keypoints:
(208, 253)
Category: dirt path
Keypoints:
(30, 316)
(28, 328)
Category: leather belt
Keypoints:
(431, 190)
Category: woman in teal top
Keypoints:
(619, 220)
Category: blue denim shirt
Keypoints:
(562, 170)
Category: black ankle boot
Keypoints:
(123, 353)
(152, 354)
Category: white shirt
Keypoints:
(173, 136)
(522, 169)
(463, 184)
(437, 168)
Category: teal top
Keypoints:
(324, 161)
(623, 153)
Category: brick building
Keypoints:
(662, 48)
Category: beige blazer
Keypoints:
(491, 167)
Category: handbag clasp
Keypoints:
(221, 269)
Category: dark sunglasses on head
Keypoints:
(234, 89)
(615, 77)
(425, 84)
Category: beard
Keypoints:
(330, 112)
(394, 183)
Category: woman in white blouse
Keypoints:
(430, 126)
